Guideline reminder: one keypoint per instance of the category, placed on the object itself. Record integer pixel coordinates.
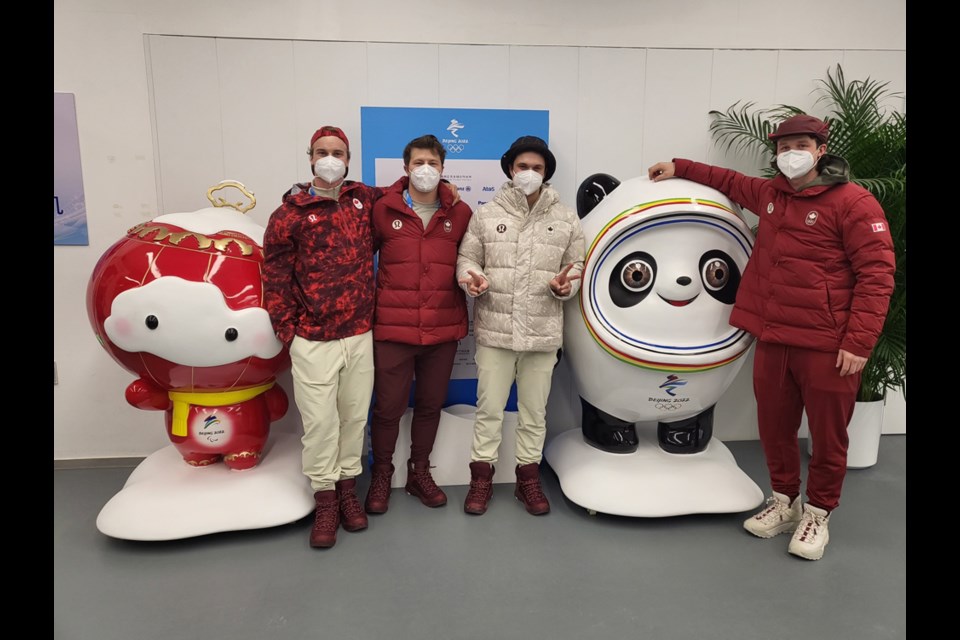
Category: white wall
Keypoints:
(162, 117)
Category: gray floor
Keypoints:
(441, 574)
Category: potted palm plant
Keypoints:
(873, 139)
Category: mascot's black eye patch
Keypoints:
(632, 279)
(720, 275)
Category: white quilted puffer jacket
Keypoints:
(519, 251)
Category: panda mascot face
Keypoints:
(648, 338)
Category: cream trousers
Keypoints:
(496, 371)
(333, 387)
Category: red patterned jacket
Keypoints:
(318, 263)
(821, 272)
(418, 298)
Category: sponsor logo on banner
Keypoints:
(489, 188)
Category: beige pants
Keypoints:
(333, 386)
(496, 371)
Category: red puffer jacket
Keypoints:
(418, 298)
(821, 273)
(318, 264)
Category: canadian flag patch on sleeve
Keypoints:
(878, 226)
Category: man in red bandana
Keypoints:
(318, 288)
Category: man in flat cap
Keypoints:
(520, 258)
(815, 294)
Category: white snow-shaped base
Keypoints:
(650, 482)
(166, 499)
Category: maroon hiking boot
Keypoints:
(528, 489)
(326, 520)
(351, 513)
(481, 488)
(420, 484)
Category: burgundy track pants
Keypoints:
(787, 380)
(395, 364)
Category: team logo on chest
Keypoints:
(447, 226)
(501, 228)
(770, 208)
(312, 218)
(357, 204)
(811, 218)
(397, 224)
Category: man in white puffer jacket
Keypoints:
(521, 258)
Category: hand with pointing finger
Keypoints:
(475, 283)
(562, 283)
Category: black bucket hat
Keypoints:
(529, 143)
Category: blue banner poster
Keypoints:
(475, 139)
(69, 207)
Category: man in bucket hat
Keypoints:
(815, 294)
(521, 258)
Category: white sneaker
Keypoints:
(779, 516)
(811, 535)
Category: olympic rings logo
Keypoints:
(662, 406)
(455, 148)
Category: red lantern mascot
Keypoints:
(178, 302)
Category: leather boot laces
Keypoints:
(350, 505)
(481, 489)
(425, 481)
(325, 517)
(380, 487)
(531, 490)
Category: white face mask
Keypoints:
(424, 178)
(528, 181)
(329, 169)
(795, 163)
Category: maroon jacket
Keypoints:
(418, 298)
(821, 272)
(318, 263)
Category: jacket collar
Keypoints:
(394, 197)
(513, 199)
(835, 170)
(299, 194)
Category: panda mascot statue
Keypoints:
(651, 351)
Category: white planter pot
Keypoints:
(864, 432)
